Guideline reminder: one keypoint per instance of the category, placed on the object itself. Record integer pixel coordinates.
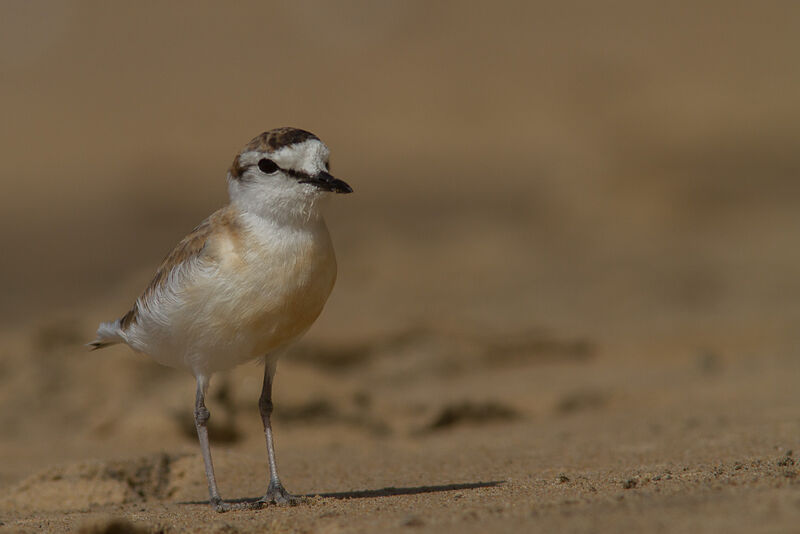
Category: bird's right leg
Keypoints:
(201, 417)
(276, 493)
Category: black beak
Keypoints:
(326, 182)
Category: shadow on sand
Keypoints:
(393, 492)
(383, 492)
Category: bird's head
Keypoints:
(283, 172)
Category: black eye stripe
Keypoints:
(297, 174)
(267, 166)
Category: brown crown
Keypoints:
(269, 142)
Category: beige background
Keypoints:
(575, 232)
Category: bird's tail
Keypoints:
(107, 334)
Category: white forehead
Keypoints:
(310, 156)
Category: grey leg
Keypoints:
(201, 416)
(276, 493)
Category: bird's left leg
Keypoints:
(201, 416)
(276, 493)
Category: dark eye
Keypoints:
(267, 166)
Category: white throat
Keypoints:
(292, 206)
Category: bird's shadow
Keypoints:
(390, 491)
(416, 490)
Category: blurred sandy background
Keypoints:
(569, 277)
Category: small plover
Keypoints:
(245, 283)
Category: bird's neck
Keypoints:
(289, 216)
(291, 212)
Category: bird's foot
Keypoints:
(277, 494)
(220, 506)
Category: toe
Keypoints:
(221, 507)
(277, 494)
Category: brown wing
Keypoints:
(190, 246)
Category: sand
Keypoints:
(435, 430)
(568, 277)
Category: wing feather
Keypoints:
(190, 247)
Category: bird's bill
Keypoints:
(326, 182)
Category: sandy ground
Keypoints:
(568, 290)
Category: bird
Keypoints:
(244, 284)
